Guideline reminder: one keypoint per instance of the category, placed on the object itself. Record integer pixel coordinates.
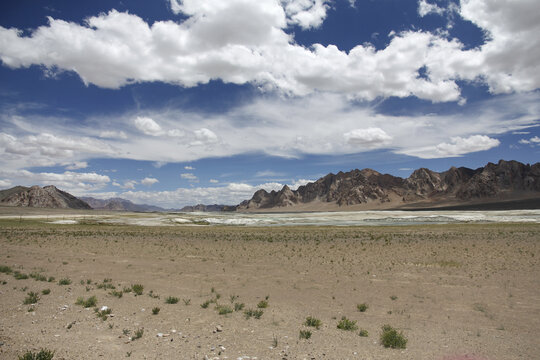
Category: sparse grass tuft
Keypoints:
(263, 304)
(32, 298)
(392, 339)
(20, 276)
(305, 334)
(137, 289)
(5, 269)
(346, 324)
(43, 354)
(46, 291)
(224, 309)
(186, 301)
(117, 293)
(64, 281)
(363, 333)
(205, 304)
(171, 300)
(238, 306)
(313, 322)
(155, 310)
(362, 307)
(103, 314)
(38, 277)
(90, 302)
(393, 297)
(253, 313)
(138, 334)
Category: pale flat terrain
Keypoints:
(454, 290)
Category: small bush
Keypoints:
(103, 314)
(64, 281)
(155, 310)
(5, 269)
(43, 354)
(263, 304)
(38, 276)
(363, 333)
(20, 276)
(362, 307)
(50, 279)
(138, 334)
(390, 338)
(238, 306)
(205, 304)
(90, 302)
(117, 293)
(346, 324)
(32, 298)
(46, 291)
(393, 297)
(253, 313)
(186, 301)
(137, 289)
(313, 322)
(171, 300)
(224, 309)
(305, 334)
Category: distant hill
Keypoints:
(40, 197)
(506, 181)
(207, 208)
(119, 204)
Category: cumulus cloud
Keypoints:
(129, 184)
(188, 167)
(149, 181)
(204, 137)
(532, 141)
(74, 182)
(243, 42)
(5, 183)
(369, 138)
(425, 8)
(147, 126)
(111, 134)
(214, 181)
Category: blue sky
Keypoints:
(178, 102)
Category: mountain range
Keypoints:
(365, 189)
(505, 185)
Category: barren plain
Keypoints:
(459, 291)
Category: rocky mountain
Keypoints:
(207, 208)
(119, 204)
(41, 197)
(369, 189)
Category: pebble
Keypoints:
(104, 308)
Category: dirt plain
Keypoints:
(469, 291)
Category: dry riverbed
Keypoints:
(454, 291)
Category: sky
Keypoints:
(180, 102)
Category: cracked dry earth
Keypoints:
(454, 291)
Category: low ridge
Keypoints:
(41, 197)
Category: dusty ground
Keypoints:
(454, 290)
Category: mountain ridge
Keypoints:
(369, 189)
(41, 197)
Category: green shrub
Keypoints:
(32, 298)
(305, 334)
(43, 354)
(46, 291)
(117, 293)
(362, 307)
(137, 289)
(90, 302)
(138, 334)
(155, 310)
(253, 313)
(224, 309)
(20, 276)
(363, 333)
(346, 324)
(64, 281)
(313, 322)
(392, 339)
(263, 304)
(238, 306)
(103, 314)
(205, 304)
(171, 300)
(5, 269)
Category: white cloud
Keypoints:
(213, 181)
(268, 173)
(457, 146)
(204, 137)
(532, 141)
(129, 184)
(370, 138)
(73, 182)
(111, 134)
(425, 8)
(149, 181)
(77, 165)
(241, 42)
(5, 183)
(148, 126)
(188, 167)
(190, 177)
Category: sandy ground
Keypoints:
(455, 291)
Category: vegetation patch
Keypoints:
(90, 302)
(32, 298)
(390, 338)
(313, 322)
(362, 307)
(43, 354)
(305, 334)
(346, 324)
(171, 300)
